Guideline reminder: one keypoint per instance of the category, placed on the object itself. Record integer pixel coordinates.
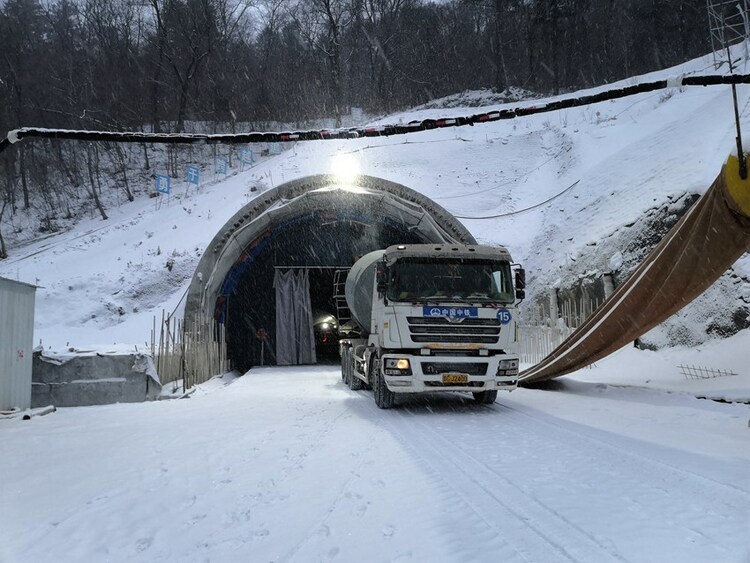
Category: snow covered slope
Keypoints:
(104, 282)
(620, 462)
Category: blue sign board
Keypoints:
(246, 156)
(193, 174)
(450, 312)
(163, 184)
(220, 165)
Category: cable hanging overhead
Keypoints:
(372, 131)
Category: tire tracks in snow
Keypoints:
(519, 518)
(589, 499)
(655, 500)
(615, 450)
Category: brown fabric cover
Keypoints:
(708, 239)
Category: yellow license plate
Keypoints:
(455, 378)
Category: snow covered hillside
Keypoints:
(625, 461)
(630, 163)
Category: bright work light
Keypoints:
(345, 167)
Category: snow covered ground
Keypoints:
(620, 462)
(288, 464)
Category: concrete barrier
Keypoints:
(82, 378)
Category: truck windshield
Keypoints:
(463, 281)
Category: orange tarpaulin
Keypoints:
(708, 239)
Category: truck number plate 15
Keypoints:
(455, 378)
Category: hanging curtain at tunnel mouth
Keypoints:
(295, 343)
(304, 335)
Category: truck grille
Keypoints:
(436, 368)
(440, 329)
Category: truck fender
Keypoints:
(367, 355)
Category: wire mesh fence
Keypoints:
(188, 353)
(574, 311)
(537, 341)
(697, 372)
(540, 334)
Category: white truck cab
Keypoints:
(435, 317)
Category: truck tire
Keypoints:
(344, 354)
(485, 397)
(346, 370)
(384, 397)
(354, 382)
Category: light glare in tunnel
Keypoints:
(345, 167)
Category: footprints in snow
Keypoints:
(143, 544)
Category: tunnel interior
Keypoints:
(314, 224)
(319, 241)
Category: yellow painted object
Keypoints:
(738, 189)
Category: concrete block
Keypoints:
(89, 378)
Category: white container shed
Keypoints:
(16, 343)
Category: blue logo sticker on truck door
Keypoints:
(504, 316)
(450, 312)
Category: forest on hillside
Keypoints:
(131, 64)
(230, 65)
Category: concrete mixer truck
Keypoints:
(433, 317)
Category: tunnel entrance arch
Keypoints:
(318, 224)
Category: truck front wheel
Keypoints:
(384, 397)
(485, 397)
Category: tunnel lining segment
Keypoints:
(320, 193)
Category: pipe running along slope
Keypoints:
(708, 239)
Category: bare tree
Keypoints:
(185, 32)
(92, 165)
(228, 59)
(128, 64)
(324, 23)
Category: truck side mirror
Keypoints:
(520, 283)
(381, 277)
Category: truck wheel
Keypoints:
(354, 382)
(344, 354)
(384, 397)
(346, 370)
(485, 397)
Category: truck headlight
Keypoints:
(397, 366)
(507, 368)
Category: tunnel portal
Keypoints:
(316, 224)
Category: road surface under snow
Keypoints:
(287, 464)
